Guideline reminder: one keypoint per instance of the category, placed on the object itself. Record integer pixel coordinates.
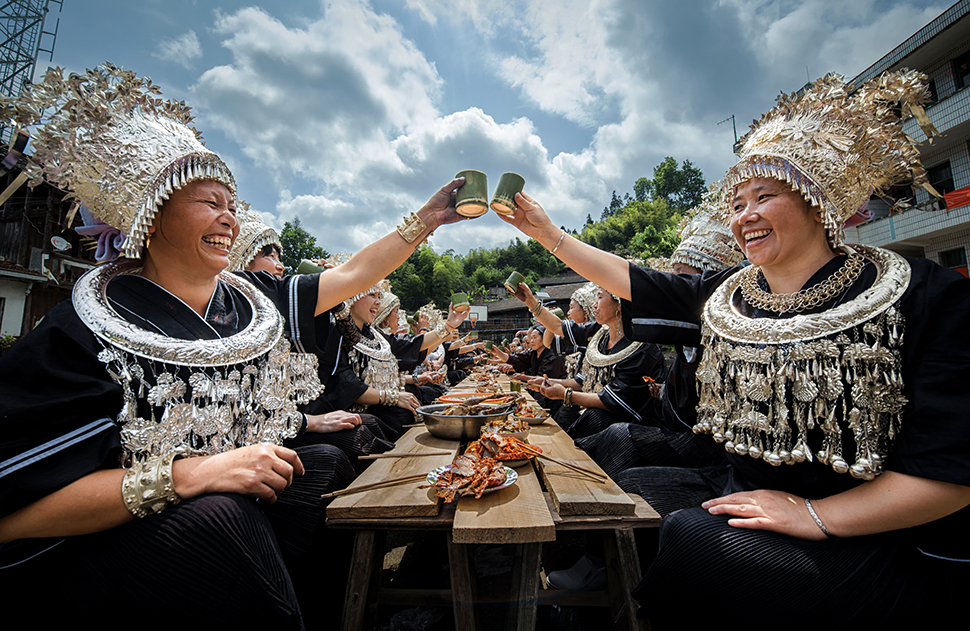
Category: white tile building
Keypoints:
(941, 50)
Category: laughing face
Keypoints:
(365, 309)
(195, 228)
(776, 228)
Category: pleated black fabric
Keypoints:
(622, 446)
(365, 439)
(591, 421)
(217, 561)
(211, 562)
(710, 573)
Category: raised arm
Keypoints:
(543, 315)
(606, 270)
(384, 256)
(433, 338)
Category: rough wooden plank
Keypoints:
(403, 500)
(644, 517)
(574, 493)
(517, 514)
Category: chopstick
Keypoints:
(403, 455)
(414, 425)
(375, 485)
(599, 477)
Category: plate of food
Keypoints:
(531, 414)
(470, 475)
(511, 451)
(508, 427)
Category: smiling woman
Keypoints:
(844, 501)
(142, 419)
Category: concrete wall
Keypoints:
(13, 309)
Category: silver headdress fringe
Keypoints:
(705, 242)
(586, 297)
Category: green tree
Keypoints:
(681, 187)
(298, 244)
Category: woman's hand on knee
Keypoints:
(263, 471)
(767, 510)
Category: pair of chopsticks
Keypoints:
(392, 454)
(376, 485)
(599, 477)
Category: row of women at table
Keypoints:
(143, 466)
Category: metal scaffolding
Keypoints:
(22, 29)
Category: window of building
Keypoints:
(955, 259)
(496, 321)
(961, 70)
(934, 96)
(941, 177)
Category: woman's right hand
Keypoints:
(407, 401)
(524, 294)
(263, 471)
(530, 218)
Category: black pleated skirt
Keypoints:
(216, 561)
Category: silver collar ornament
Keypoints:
(765, 383)
(206, 396)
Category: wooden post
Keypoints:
(623, 574)
(462, 584)
(524, 590)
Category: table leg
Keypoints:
(362, 565)
(462, 584)
(623, 574)
(525, 587)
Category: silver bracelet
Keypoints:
(811, 511)
(561, 237)
(148, 487)
(537, 309)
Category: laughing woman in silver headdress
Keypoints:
(845, 499)
(142, 419)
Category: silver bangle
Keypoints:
(537, 309)
(411, 228)
(148, 487)
(811, 511)
(561, 237)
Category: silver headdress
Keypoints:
(706, 243)
(388, 302)
(586, 297)
(121, 150)
(837, 146)
(254, 235)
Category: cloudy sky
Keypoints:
(350, 113)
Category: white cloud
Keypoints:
(180, 50)
(345, 111)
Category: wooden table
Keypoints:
(523, 515)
